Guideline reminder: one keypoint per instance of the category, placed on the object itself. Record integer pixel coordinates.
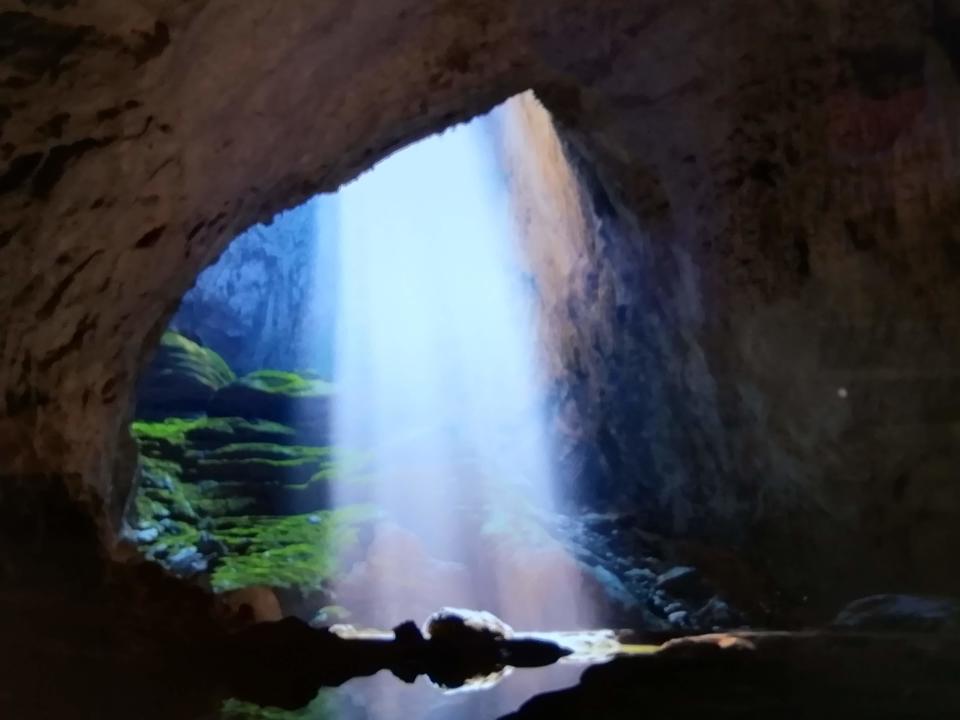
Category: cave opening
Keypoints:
(349, 418)
(349, 408)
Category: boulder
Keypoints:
(683, 582)
(214, 432)
(455, 624)
(260, 478)
(717, 613)
(258, 463)
(283, 397)
(181, 379)
(187, 562)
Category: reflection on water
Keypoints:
(384, 697)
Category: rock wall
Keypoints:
(785, 387)
(268, 301)
(766, 313)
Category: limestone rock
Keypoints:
(181, 379)
(716, 613)
(449, 624)
(187, 562)
(271, 304)
(684, 582)
(276, 396)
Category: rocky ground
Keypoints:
(643, 588)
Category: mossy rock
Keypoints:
(279, 479)
(175, 438)
(256, 463)
(271, 451)
(327, 705)
(283, 397)
(297, 551)
(181, 379)
(220, 431)
(230, 498)
(226, 477)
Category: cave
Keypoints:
(740, 225)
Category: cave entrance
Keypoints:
(347, 418)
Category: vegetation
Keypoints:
(323, 707)
(211, 431)
(286, 383)
(182, 379)
(271, 451)
(239, 491)
(295, 551)
(183, 356)
(236, 473)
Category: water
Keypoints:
(383, 697)
(438, 388)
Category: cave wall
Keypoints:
(780, 375)
(269, 300)
(765, 305)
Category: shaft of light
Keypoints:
(436, 370)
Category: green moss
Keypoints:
(271, 451)
(286, 383)
(264, 463)
(254, 469)
(161, 493)
(181, 379)
(294, 551)
(323, 707)
(226, 484)
(227, 506)
(211, 431)
(158, 467)
(226, 498)
(185, 356)
(175, 501)
(227, 430)
(144, 507)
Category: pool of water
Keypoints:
(384, 696)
